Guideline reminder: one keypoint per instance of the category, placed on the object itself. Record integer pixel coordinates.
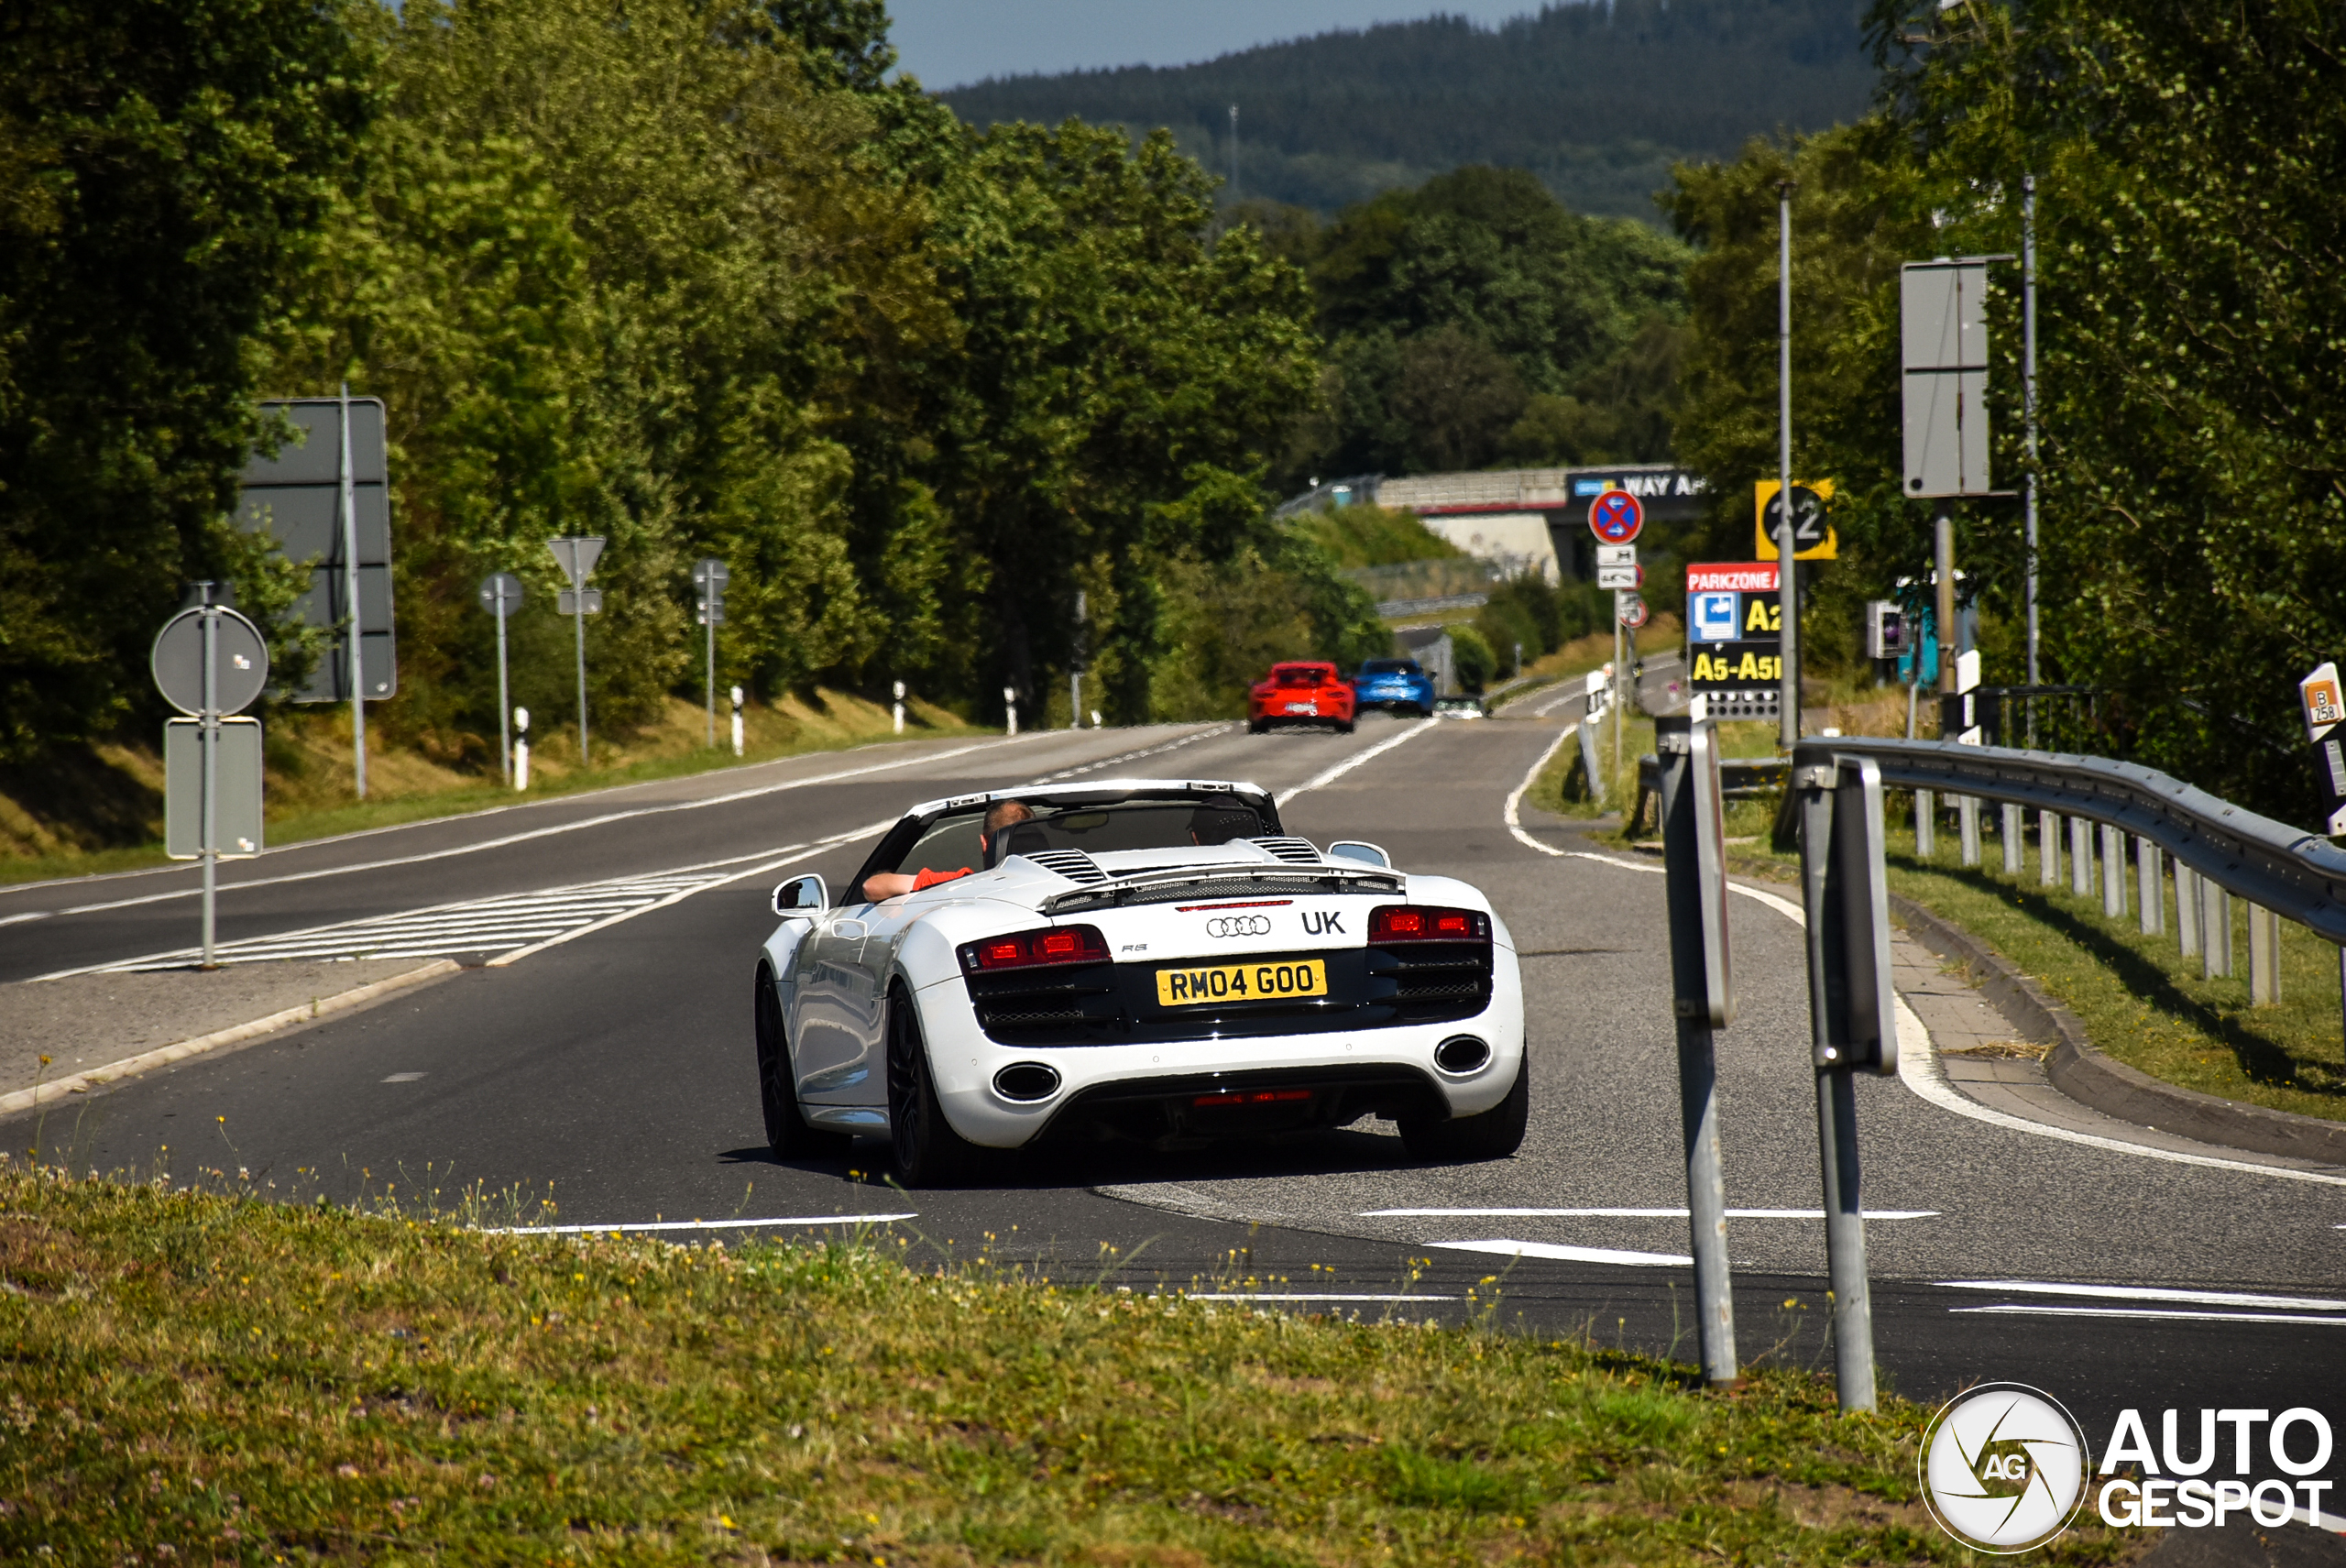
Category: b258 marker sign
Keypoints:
(1735, 637)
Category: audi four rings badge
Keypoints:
(1239, 925)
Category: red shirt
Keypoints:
(927, 879)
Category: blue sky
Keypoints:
(949, 43)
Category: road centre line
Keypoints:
(695, 1224)
(1551, 1250)
(1918, 1067)
(1330, 776)
(2144, 1293)
(605, 820)
(1630, 1213)
(1136, 756)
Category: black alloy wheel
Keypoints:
(787, 1134)
(1493, 1134)
(929, 1153)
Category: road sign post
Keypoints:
(1787, 543)
(1695, 864)
(501, 595)
(1853, 1019)
(1617, 518)
(209, 662)
(709, 578)
(577, 557)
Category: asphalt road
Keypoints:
(612, 1072)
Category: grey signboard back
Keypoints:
(237, 818)
(296, 498)
(1942, 342)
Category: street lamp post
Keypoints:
(1787, 546)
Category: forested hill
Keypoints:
(1596, 103)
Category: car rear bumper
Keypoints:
(1151, 1090)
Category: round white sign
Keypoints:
(2004, 1468)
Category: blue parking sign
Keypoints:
(1716, 618)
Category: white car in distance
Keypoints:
(1143, 958)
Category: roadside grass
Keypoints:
(1562, 786)
(310, 784)
(197, 1376)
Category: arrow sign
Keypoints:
(1615, 517)
(577, 557)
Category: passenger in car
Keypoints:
(895, 884)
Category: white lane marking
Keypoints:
(695, 1224)
(28, 915)
(1570, 1253)
(1330, 776)
(515, 926)
(2030, 1309)
(1633, 1214)
(404, 1077)
(1300, 1296)
(1136, 756)
(1513, 815)
(1918, 1067)
(603, 821)
(2144, 1293)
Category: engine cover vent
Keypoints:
(1295, 852)
(1072, 864)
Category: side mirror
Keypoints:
(1366, 854)
(802, 897)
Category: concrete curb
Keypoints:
(163, 1055)
(2093, 1079)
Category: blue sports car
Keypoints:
(1397, 685)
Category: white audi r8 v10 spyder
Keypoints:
(1153, 959)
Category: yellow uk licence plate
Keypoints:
(1242, 982)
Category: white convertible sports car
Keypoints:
(1146, 958)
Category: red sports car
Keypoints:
(1300, 693)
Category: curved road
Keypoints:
(612, 1069)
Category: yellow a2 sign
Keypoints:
(1813, 536)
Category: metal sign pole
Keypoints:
(1693, 856)
(350, 577)
(211, 738)
(2028, 401)
(1787, 543)
(504, 731)
(708, 602)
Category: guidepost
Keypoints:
(896, 713)
(520, 748)
(1853, 1020)
(709, 578)
(501, 595)
(736, 721)
(577, 557)
(1787, 546)
(1693, 862)
(211, 663)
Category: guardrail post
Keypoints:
(2014, 835)
(1694, 859)
(1588, 760)
(2215, 930)
(2080, 856)
(1966, 816)
(1926, 845)
(2264, 957)
(2187, 910)
(2114, 891)
(2048, 848)
(2150, 888)
(1852, 1019)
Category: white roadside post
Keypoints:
(1010, 707)
(1694, 872)
(520, 748)
(736, 721)
(899, 710)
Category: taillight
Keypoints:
(1026, 949)
(1254, 1097)
(1427, 922)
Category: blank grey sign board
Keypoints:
(1943, 343)
(237, 820)
(295, 496)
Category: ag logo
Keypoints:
(1239, 925)
(2003, 1467)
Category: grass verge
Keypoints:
(199, 1377)
(311, 787)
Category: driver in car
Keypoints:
(895, 884)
